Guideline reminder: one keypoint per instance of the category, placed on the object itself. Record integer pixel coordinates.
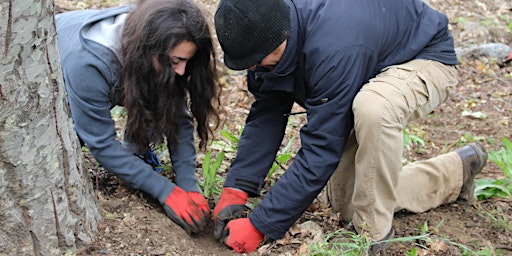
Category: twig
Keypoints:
(97, 186)
(505, 247)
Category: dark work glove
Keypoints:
(242, 236)
(231, 206)
(185, 212)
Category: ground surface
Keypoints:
(134, 224)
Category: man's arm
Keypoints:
(260, 140)
(330, 120)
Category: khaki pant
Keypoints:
(370, 183)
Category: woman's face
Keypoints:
(179, 56)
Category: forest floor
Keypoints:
(135, 224)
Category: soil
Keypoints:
(135, 224)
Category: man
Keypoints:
(362, 70)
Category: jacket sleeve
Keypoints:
(183, 155)
(87, 84)
(330, 120)
(261, 138)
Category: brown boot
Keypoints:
(474, 158)
(377, 247)
(382, 244)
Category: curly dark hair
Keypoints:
(156, 100)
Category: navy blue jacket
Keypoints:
(334, 47)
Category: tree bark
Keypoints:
(47, 204)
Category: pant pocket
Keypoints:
(438, 79)
(425, 84)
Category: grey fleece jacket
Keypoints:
(88, 42)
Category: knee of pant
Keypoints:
(370, 107)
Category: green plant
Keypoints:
(424, 229)
(412, 252)
(503, 157)
(160, 151)
(496, 216)
(508, 20)
(412, 139)
(343, 242)
(429, 238)
(212, 184)
(462, 19)
(230, 145)
(466, 138)
(486, 188)
(281, 160)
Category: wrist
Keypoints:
(254, 229)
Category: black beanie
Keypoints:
(249, 30)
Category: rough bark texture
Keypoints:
(47, 205)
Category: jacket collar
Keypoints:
(281, 78)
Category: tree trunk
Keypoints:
(47, 204)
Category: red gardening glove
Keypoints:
(185, 212)
(242, 236)
(231, 206)
(201, 202)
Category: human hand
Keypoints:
(231, 206)
(201, 202)
(185, 212)
(242, 236)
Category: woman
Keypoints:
(156, 60)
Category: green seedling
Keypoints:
(496, 216)
(503, 157)
(486, 188)
(412, 140)
(343, 242)
(212, 184)
(281, 161)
